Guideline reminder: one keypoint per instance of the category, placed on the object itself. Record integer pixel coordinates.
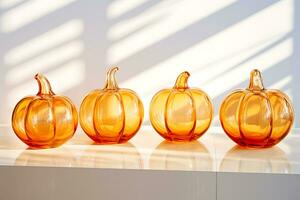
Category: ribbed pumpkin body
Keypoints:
(256, 117)
(112, 114)
(181, 113)
(45, 120)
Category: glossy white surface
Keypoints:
(214, 152)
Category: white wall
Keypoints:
(219, 42)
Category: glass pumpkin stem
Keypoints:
(44, 85)
(111, 82)
(256, 82)
(181, 82)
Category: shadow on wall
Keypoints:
(73, 42)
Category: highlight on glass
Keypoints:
(181, 113)
(45, 120)
(256, 116)
(112, 114)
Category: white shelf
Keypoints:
(149, 168)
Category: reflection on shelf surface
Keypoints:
(269, 160)
(213, 152)
(188, 156)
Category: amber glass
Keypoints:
(45, 120)
(256, 117)
(181, 113)
(111, 114)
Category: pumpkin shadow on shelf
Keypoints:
(268, 160)
(181, 156)
(121, 156)
(56, 157)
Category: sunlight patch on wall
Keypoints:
(125, 27)
(198, 57)
(44, 62)
(29, 12)
(61, 34)
(176, 19)
(119, 7)
(9, 3)
(281, 83)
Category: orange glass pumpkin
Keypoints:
(181, 113)
(111, 114)
(45, 120)
(256, 117)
